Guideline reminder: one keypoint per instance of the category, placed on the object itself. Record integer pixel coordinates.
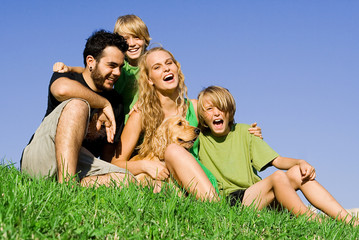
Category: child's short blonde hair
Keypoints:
(133, 25)
(220, 98)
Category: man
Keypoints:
(84, 119)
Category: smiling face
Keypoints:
(106, 71)
(162, 71)
(135, 31)
(215, 119)
(136, 47)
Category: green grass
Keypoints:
(44, 209)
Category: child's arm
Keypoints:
(307, 170)
(60, 67)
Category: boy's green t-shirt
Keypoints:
(127, 86)
(235, 159)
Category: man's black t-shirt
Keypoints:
(93, 144)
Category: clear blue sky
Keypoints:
(293, 67)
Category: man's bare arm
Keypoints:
(65, 88)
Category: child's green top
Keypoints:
(235, 159)
(127, 86)
(192, 119)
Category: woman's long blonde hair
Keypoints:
(148, 100)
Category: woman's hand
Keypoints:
(157, 170)
(255, 130)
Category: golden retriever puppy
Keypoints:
(174, 129)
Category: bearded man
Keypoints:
(83, 120)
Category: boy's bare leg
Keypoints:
(318, 196)
(70, 133)
(276, 186)
(189, 173)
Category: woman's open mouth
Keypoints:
(168, 77)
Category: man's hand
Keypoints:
(255, 130)
(60, 67)
(106, 118)
(307, 171)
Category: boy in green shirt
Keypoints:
(234, 156)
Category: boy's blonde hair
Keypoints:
(220, 98)
(133, 25)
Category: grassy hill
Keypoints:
(44, 209)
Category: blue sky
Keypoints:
(293, 67)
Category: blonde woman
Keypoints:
(163, 93)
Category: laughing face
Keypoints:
(216, 120)
(108, 69)
(136, 47)
(163, 71)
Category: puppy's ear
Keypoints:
(160, 140)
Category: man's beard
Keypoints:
(98, 79)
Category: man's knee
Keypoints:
(76, 113)
(76, 107)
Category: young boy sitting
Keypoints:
(234, 156)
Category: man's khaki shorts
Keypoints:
(39, 157)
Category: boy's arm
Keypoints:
(307, 170)
(61, 67)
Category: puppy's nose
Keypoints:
(197, 130)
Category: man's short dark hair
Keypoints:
(101, 39)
